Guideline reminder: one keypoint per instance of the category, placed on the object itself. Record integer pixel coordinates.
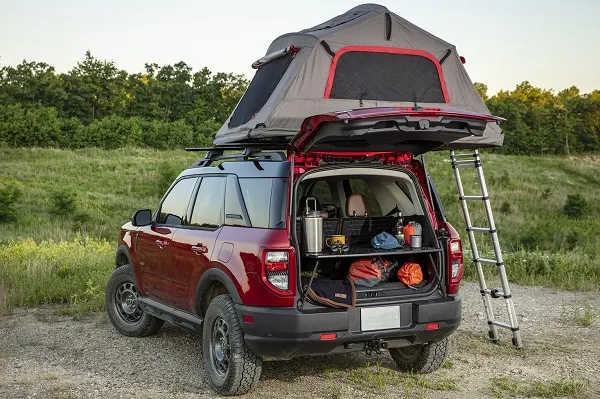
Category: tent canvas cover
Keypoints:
(367, 57)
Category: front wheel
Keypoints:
(423, 358)
(123, 307)
(231, 367)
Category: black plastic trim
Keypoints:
(208, 277)
(122, 250)
(170, 314)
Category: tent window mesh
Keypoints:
(386, 77)
(260, 89)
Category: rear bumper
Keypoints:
(284, 333)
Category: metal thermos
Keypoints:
(313, 228)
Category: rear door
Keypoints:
(416, 130)
(193, 244)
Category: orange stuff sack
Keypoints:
(368, 272)
(408, 231)
(410, 274)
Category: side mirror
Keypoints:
(142, 217)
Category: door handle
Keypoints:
(162, 243)
(199, 249)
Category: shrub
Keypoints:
(63, 203)
(10, 192)
(113, 132)
(36, 126)
(165, 135)
(575, 206)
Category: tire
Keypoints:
(421, 359)
(124, 312)
(230, 366)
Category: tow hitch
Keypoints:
(376, 346)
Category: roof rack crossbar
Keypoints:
(254, 153)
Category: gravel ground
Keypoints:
(50, 356)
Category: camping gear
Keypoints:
(367, 57)
(332, 293)
(313, 227)
(385, 240)
(410, 274)
(410, 229)
(345, 248)
(335, 239)
(369, 272)
(415, 241)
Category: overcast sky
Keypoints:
(552, 43)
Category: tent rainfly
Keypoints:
(366, 57)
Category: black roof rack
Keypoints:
(254, 152)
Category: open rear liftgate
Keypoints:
(473, 161)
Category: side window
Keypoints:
(174, 207)
(209, 206)
(235, 215)
(257, 197)
(359, 186)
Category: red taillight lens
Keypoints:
(455, 265)
(328, 337)
(432, 326)
(277, 267)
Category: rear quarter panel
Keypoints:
(243, 266)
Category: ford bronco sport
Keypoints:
(223, 256)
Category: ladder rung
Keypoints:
(495, 293)
(481, 229)
(473, 197)
(487, 261)
(501, 324)
(467, 155)
(465, 164)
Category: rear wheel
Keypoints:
(231, 367)
(123, 307)
(423, 358)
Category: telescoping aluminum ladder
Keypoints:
(472, 160)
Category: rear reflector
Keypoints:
(247, 319)
(328, 337)
(432, 326)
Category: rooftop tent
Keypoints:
(366, 57)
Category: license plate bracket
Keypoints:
(379, 318)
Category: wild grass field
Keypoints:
(58, 247)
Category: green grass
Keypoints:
(509, 387)
(541, 244)
(43, 258)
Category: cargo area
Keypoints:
(359, 203)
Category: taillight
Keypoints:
(277, 269)
(455, 265)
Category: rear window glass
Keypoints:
(263, 84)
(265, 200)
(386, 77)
(359, 186)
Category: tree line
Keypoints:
(171, 106)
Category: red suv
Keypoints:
(224, 255)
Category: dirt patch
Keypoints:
(50, 356)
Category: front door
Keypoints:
(154, 244)
(193, 245)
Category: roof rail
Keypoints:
(255, 153)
